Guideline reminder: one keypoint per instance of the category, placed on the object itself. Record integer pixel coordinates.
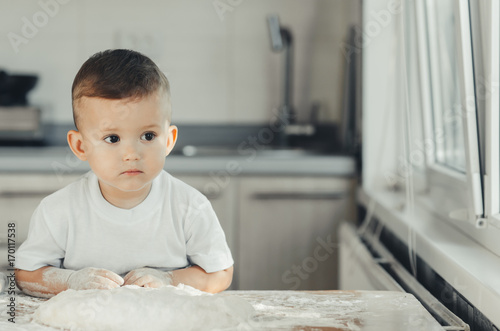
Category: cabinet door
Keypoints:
(20, 194)
(288, 230)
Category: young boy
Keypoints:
(127, 221)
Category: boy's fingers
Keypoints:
(141, 281)
(109, 284)
(111, 276)
(147, 278)
(127, 276)
(102, 284)
(135, 278)
(153, 284)
(132, 277)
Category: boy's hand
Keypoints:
(93, 278)
(148, 277)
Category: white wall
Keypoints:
(220, 66)
(382, 100)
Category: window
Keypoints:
(447, 107)
(431, 80)
(458, 71)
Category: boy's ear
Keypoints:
(171, 138)
(75, 142)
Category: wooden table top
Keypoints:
(338, 310)
(293, 310)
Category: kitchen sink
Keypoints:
(229, 151)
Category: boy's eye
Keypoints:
(148, 136)
(112, 139)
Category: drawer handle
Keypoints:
(299, 196)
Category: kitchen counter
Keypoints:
(61, 160)
(293, 310)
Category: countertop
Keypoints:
(247, 149)
(293, 310)
(61, 160)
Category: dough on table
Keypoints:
(137, 308)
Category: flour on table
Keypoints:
(136, 308)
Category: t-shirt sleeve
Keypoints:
(41, 248)
(206, 244)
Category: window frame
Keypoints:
(492, 110)
(449, 190)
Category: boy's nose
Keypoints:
(131, 152)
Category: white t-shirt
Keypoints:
(174, 227)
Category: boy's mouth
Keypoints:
(131, 172)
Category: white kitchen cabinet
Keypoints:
(20, 194)
(287, 233)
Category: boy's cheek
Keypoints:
(91, 141)
(161, 151)
(98, 155)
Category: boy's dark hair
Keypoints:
(118, 74)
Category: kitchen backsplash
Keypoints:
(216, 54)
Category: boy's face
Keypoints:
(125, 141)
